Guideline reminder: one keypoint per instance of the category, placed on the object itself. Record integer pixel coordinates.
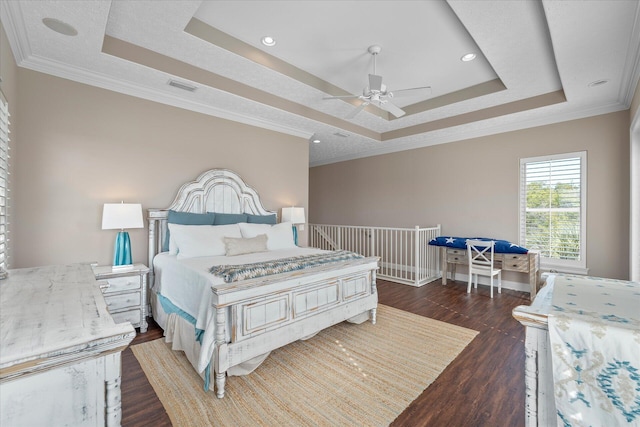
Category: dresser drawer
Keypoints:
(119, 284)
(457, 255)
(132, 316)
(515, 262)
(117, 302)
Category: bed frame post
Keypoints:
(220, 371)
(152, 250)
(374, 290)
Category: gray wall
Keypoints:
(429, 186)
(76, 147)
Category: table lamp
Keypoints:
(118, 216)
(295, 216)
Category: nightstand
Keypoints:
(125, 292)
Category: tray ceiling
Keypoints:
(537, 62)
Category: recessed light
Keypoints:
(468, 57)
(60, 27)
(268, 41)
(315, 139)
(598, 83)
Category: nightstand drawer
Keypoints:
(125, 292)
(119, 284)
(131, 316)
(515, 262)
(117, 302)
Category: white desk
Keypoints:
(528, 263)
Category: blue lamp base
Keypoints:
(295, 234)
(122, 251)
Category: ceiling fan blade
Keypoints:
(425, 90)
(375, 82)
(353, 113)
(342, 97)
(393, 109)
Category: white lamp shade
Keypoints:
(293, 215)
(122, 215)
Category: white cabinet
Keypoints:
(60, 359)
(125, 292)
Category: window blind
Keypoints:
(552, 204)
(4, 178)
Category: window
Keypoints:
(4, 177)
(552, 210)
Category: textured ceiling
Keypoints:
(535, 61)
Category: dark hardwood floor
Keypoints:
(483, 386)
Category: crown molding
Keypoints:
(488, 129)
(14, 27)
(631, 72)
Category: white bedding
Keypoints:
(187, 284)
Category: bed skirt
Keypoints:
(181, 334)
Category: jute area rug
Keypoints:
(347, 375)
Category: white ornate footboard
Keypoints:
(269, 312)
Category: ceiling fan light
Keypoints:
(468, 57)
(268, 41)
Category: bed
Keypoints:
(227, 323)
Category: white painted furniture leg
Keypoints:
(374, 290)
(220, 340)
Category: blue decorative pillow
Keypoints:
(502, 246)
(261, 219)
(225, 218)
(186, 218)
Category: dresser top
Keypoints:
(53, 315)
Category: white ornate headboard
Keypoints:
(216, 190)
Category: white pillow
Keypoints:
(173, 247)
(252, 230)
(202, 240)
(241, 246)
(279, 236)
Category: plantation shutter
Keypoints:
(552, 207)
(4, 177)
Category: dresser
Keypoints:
(125, 291)
(60, 362)
(582, 351)
(528, 263)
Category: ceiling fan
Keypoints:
(377, 94)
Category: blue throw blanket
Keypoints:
(234, 273)
(502, 246)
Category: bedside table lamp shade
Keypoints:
(295, 216)
(118, 216)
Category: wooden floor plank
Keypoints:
(483, 386)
